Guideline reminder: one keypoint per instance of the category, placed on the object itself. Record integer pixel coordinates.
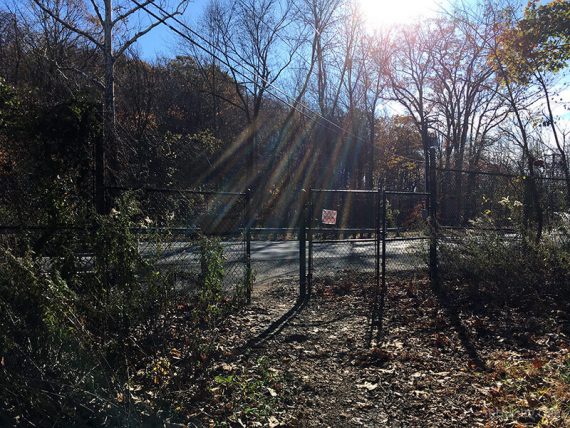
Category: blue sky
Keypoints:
(160, 42)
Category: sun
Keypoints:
(385, 13)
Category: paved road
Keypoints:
(280, 259)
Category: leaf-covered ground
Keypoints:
(449, 359)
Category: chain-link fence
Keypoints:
(406, 240)
(170, 228)
(342, 231)
(490, 221)
(505, 203)
(275, 254)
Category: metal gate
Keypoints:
(405, 236)
(343, 233)
(370, 234)
(365, 232)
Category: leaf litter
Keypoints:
(437, 364)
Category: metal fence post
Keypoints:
(383, 278)
(310, 216)
(377, 257)
(433, 265)
(249, 275)
(303, 248)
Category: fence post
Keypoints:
(432, 202)
(248, 220)
(383, 279)
(310, 216)
(378, 255)
(303, 248)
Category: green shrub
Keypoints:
(117, 282)
(210, 295)
(81, 317)
(48, 358)
(489, 260)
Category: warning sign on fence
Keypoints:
(329, 217)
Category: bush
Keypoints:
(86, 310)
(129, 288)
(65, 321)
(49, 360)
(488, 260)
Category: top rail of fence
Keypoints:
(343, 191)
(394, 192)
(499, 174)
(375, 191)
(174, 190)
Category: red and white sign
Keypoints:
(329, 217)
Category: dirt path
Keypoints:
(437, 365)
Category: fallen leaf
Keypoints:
(368, 385)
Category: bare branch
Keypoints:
(97, 11)
(131, 11)
(161, 20)
(67, 24)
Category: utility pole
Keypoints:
(108, 142)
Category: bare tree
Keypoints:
(376, 62)
(250, 36)
(461, 74)
(112, 23)
(410, 79)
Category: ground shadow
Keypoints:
(275, 327)
(452, 312)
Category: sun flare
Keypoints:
(384, 13)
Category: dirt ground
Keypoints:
(443, 360)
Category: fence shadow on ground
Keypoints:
(275, 327)
(452, 312)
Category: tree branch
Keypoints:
(131, 11)
(97, 11)
(161, 20)
(68, 25)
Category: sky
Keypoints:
(162, 42)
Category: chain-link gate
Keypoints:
(404, 240)
(368, 234)
(352, 230)
(343, 233)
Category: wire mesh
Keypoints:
(489, 215)
(352, 242)
(275, 253)
(168, 226)
(501, 199)
(343, 232)
(407, 233)
(173, 224)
